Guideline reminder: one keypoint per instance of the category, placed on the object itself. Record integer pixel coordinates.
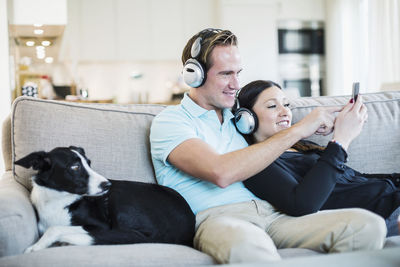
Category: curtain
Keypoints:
(363, 44)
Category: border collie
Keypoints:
(78, 206)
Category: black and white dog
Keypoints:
(78, 206)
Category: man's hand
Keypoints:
(320, 121)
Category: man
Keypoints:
(197, 151)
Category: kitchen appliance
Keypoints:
(301, 57)
(301, 37)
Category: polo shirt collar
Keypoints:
(197, 111)
(192, 107)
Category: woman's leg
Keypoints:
(394, 177)
(392, 224)
(330, 231)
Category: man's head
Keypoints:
(196, 56)
(217, 53)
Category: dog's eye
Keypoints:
(75, 167)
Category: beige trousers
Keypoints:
(252, 231)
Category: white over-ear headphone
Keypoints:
(193, 72)
(246, 121)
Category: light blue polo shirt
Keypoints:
(188, 120)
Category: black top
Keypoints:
(300, 183)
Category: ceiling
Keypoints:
(21, 34)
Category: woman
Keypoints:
(307, 177)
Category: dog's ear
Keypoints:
(78, 149)
(37, 160)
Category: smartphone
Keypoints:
(356, 90)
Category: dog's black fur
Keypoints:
(101, 211)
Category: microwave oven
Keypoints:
(301, 37)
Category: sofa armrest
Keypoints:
(18, 224)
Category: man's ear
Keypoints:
(80, 150)
(37, 160)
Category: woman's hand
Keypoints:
(319, 121)
(349, 122)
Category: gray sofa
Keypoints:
(115, 138)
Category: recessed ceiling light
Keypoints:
(30, 43)
(38, 25)
(41, 55)
(40, 48)
(46, 43)
(38, 31)
(49, 60)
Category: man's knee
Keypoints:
(368, 229)
(231, 240)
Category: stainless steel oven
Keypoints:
(301, 37)
(301, 57)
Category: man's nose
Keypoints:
(234, 82)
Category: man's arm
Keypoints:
(198, 159)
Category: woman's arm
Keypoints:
(277, 185)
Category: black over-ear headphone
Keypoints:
(194, 71)
(246, 121)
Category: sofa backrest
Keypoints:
(115, 137)
(376, 149)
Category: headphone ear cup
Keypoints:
(193, 73)
(246, 121)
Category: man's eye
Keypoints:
(75, 167)
(272, 106)
(287, 105)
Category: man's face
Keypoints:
(222, 82)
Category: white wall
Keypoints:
(5, 90)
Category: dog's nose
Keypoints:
(105, 186)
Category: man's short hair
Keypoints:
(210, 39)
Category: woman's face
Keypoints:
(272, 110)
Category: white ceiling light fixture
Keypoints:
(49, 60)
(38, 25)
(40, 52)
(46, 43)
(38, 31)
(30, 43)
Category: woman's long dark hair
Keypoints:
(248, 96)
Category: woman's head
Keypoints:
(269, 103)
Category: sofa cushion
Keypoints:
(115, 137)
(116, 255)
(6, 143)
(18, 226)
(379, 142)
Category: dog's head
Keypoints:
(66, 169)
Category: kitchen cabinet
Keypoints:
(159, 29)
(141, 30)
(96, 30)
(257, 36)
(132, 26)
